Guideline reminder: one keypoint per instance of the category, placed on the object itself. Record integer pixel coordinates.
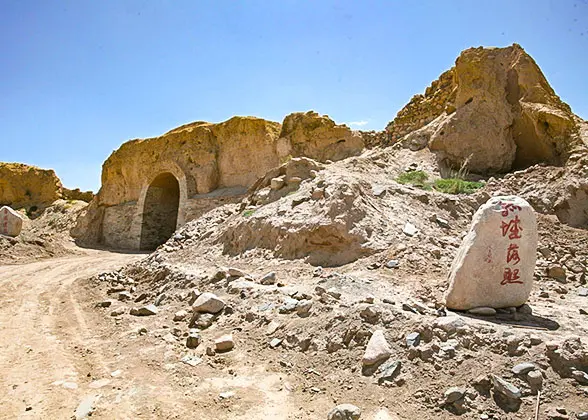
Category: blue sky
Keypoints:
(80, 77)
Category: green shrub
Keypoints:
(456, 186)
(416, 178)
(248, 213)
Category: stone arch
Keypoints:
(160, 210)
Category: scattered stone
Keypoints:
(141, 297)
(535, 379)
(453, 394)
(210, 351)
(191, 360)
(483, 311)
(118, 312)
(371, 313)
(146, 310)
(392, 264)
(523, 368)
(180, 315)
(525, 309)
(505, 228)
(124, 296)
(268, 279)
(303, 307)
(86, 407)
(275, 343)
(193, 295)
(224, 343)
(413, 339)
(556, 272)
(288, 306)
(377, 349)
(582, 291)
(208, 302)
(449, 324)
(441, 222)
(159, 299)
(226, 395)
(582, 416)
(388, 371)
(505, 388)
(344, 412)
(580, 376)
(193, 339)
(334, 293)
(142, 331)
(104, 304)
(235, 272)
(317, 272)
(202, 320)
(277, 183)
(410, 229)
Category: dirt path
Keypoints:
(47, 344)
(59, 355)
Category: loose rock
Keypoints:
(224, 343)
(344, 412)
(208, 302)
(377, 349)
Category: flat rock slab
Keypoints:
(10, 222)
(495, 263)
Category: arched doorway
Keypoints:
(160, 211)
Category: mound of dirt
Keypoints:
(45, 236)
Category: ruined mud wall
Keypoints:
(212, 163)
(495, 109)
(422, 109)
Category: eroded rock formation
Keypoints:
(495, 109)
(28, 187)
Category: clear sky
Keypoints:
(80, 77)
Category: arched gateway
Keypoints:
(160, 211)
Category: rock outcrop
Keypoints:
(28, 187)
(152, 186)
(318, 137)
(495, 110)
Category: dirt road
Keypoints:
(60, 356)
(48, 346)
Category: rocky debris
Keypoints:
(193, 339)
(344, 412)
(202, 320)
(523, 368)
(268, 279)
(10, 222)
(567, 356)
(124, 296)
(208, 302)
(413, 339)
(377, 349)
(495, 263)
(557, 272)
(180, 315)
(144, 310)
(453, 394)
(118, 312)
(580, 376)
(483, 311)
(410, 229)
(506, 388)
(224, 343)
(235, 272)
(388, 371)
(535, 380)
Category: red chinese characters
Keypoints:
(511, 228)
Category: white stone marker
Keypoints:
(10, 222)
(495, 263)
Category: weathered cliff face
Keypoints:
(495, 108)
(28, 187)
(152, 186)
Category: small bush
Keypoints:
(416, 178)
(456, 186)
(248, 213)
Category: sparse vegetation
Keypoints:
(415, 178)
(456, 186)
(248, 213)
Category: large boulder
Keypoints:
(494, 110)
(29, 187)
(495, 263)
(10, 222)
